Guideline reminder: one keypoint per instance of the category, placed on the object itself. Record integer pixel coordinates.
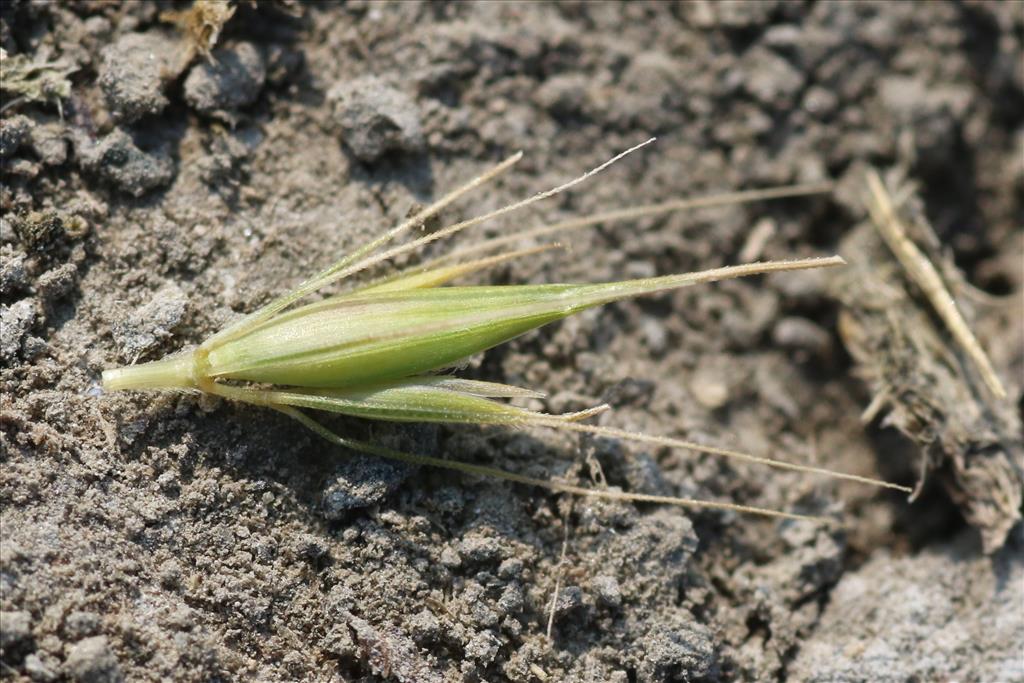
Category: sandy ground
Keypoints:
(170, 537)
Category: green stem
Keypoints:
(176, 372)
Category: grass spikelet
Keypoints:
(373, 351)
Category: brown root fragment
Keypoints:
(922, 376)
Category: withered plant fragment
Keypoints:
(924, 380)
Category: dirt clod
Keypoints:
(232, 80)
(91, 661)
(49, 142)
(913, 365)
(144, 329)
(39, 231)
(361, 481)
(15, 322)
(375, 118)
(135, 72)
(677, 650)
(13, 131)
(57, 282)
(899, 618)
(15, 628)
(117, 160)
(14, 276)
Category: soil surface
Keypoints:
(151, 194)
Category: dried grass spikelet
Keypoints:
(201, 23)
(371, 351)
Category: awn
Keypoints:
(370, 352)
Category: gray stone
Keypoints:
(79, 624)
(479, 547)
(424, 626)
(801, 334)
(563, 94)
(483, 647)
(570, 600)
(38, 669)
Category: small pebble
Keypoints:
(33, 347)
(563, 94)
(655, 336)
(450, 558)
(37, 669)
(13, 271)
(607, 591)
(483, 648)
(801, 334)
(801, 287)
(424, 627)
(478, 548)
(709, 386)
(570, 599)
(771, 79)
(512, 599)
(79, 624)
(511, 568)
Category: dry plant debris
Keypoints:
(927, 372)
(31, 81)
(202, 23)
